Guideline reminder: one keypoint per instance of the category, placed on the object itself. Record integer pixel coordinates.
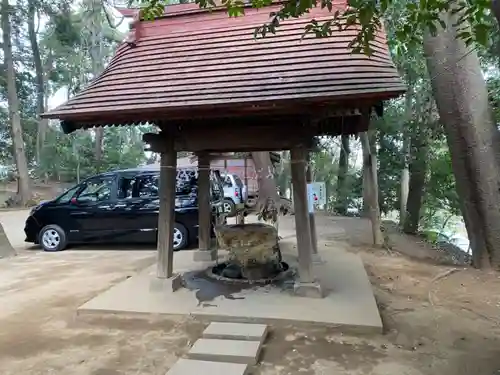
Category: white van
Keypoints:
(235, 194)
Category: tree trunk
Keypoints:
(24, 193)
(99, 138)
(495, 7)
(268, 202)
(370, 184)
(76, 151)
(341, 205)
(94, 19)
(284, 174)
(462, 100)
(405, 189)
(418, 173)
(365, 212)
(39, 79)
(405, 172)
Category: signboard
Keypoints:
(319, 193)
(310, 198)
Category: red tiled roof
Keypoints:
(192, 59)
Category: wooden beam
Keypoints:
(259, 133)
(204, 208)
(166, 216)
(245, 165)
(312, 219)
(264, 134)
(298, 156)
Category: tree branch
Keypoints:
(495, 7)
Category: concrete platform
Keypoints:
(233, 351)
(193, 367)
(236, 331)
(349, 305)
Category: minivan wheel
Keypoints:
(52, 238)
(180, 237)
(229, 207)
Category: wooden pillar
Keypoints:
(166, 214)
(302, 227)
(204, 208)
(307, 285)
(204, 252)
(240, 218)
(245, 165)
(312, 220)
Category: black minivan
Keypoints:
(120, 206)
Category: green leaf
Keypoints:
(481, 34)
(366, 16)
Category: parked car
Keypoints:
(352, 211)
(119, 206)
(235, 194)
(435, 236)
(462, 243)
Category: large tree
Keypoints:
(24, 189)
(268, 201)
(462, 101)
(370, 187)
(342, 186)
(32, 20)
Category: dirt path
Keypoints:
(447, 326)
(40, 334)
(13, 225)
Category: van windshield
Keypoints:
(67, 195)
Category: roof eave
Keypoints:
(71, 122)
(62, 113)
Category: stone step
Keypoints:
(236, 331)
(192, 367)
(234, 351)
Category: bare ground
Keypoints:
(40, 190)
(437, 321)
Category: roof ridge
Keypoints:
(189, 8)
(135, 27)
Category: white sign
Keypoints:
(310, 198)
(319, 193)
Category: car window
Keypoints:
(227, 181)
(216, 188)
(238, 180)
(442, 238)
(186, 182)
(126, 187)
(96, 190)
(147, 186)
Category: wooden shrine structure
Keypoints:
(210, 86)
